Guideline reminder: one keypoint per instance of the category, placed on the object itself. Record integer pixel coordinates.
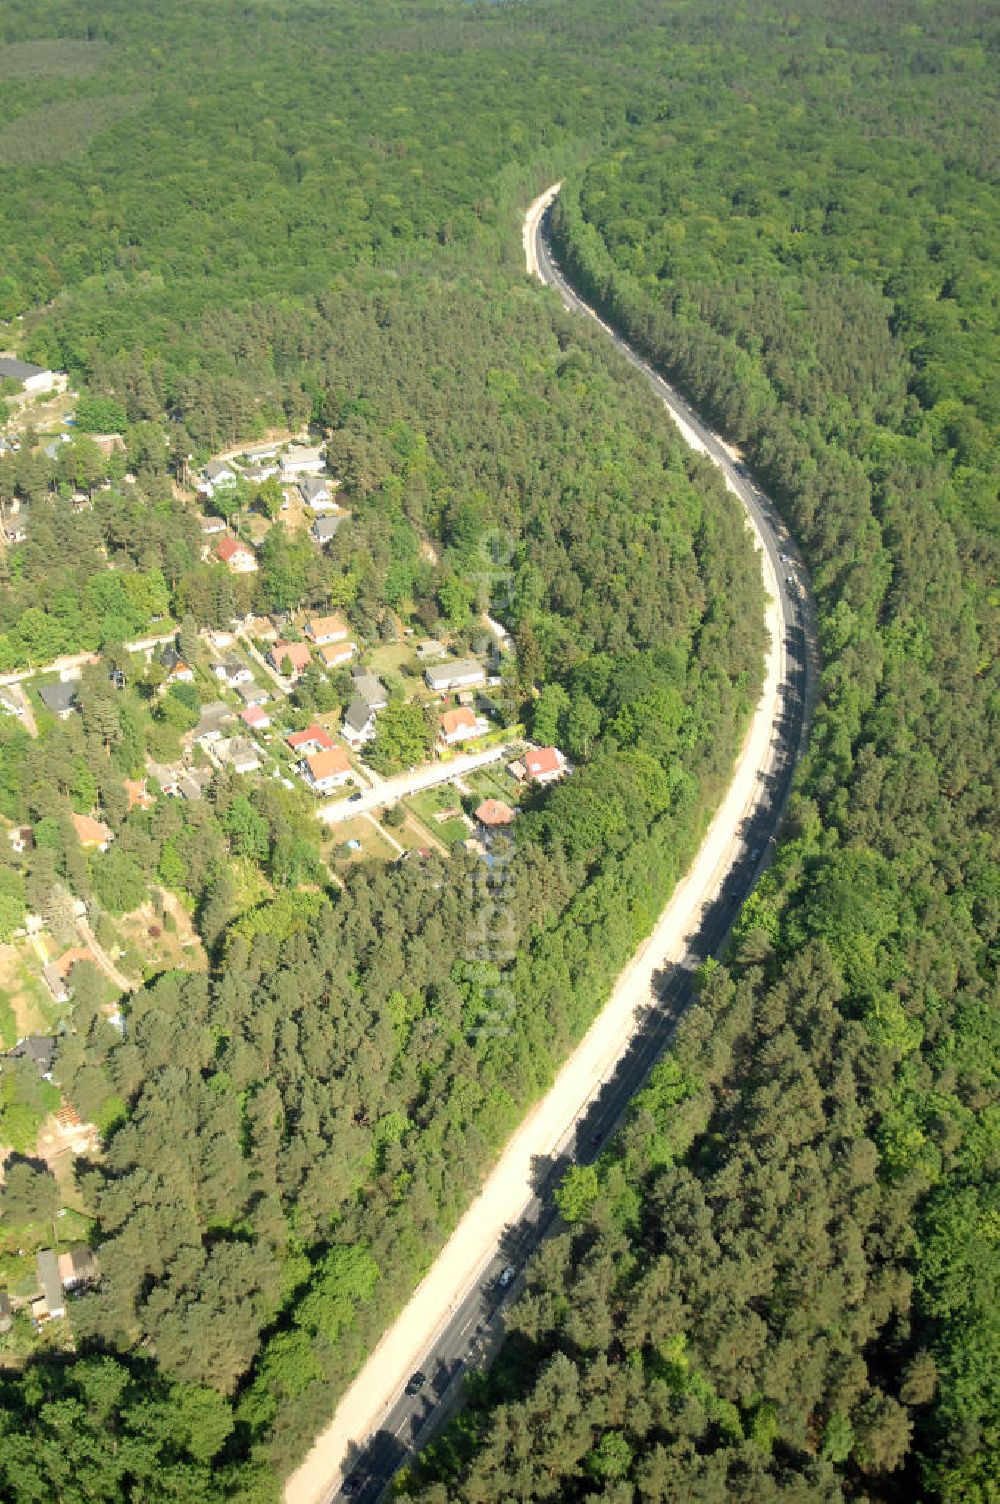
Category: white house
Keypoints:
(460, 726)
(359, 722)
(236, 556)
(238, 753)
(233, 671)
(31, 379)
(215, 474)
(459, 673)
(315, 493)
(544, 765)
(301, 459)
(323, 629)
(326, 770)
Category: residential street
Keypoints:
(391, 790)
(453, 1321)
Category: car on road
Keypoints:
(507, 1277)
(416, 1382)
(352, 1485)
(355, 797)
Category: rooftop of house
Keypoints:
(232, 548)
(455, 668)
(216, 468)
(58, 697)
(18, 370)
(255, 716)
(297, 653)
(89, 832)
(358, 715)
(328, 763)
(493, 813)
(369, 687)
(541, 760)
(324, 528)
(312, 734)
(313, 485)
(462, 719)
(241, 750)
(40, 1049)
(214, 716)
(326, 626)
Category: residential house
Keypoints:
(258, 474)
(214, 717)
(494, 814)
(252, 693)
(238, 753)
(237, 556)
(370, 688)
(177, 671)
(315, 494)
(263, 628)
(544, 765)
(233, 671)
(359, 722)
(324, 528)
(77, 1266)
(459, 726)
(324, 629)
(40, 1049)
(430, 650)
(57, 973)
(92, 834)
(336, 654)
(458, 673)
(211, 525)
(215, 474)
(326, 770)
(302, 459)
(312, 739)
(192, 783)
(108, 443)
(51, 1285)
(260, 452)
(290, 658)
(255, 719)
(31, 379)
(6, 1320)
(137, 794)
(59, 698)
(22, 839)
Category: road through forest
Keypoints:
(376, 1425)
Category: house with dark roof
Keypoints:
(40, 1049)
(457, 673)
(60, 698)
(324, 528)
(47, 1265)
(370, 688)
(359, 722)
(233, 670)
(315, 493)
(77, 1266)
(252, 693)
(31, 379)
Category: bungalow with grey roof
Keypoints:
(59, 698)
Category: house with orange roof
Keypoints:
(493, 814)
(327, 770)
(92, 834)
(544, 765)
(322, 629)
(137, 794)
(290, 658)
(460, 726)
(335, 654)
(57, 973)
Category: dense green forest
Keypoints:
(780, 1283)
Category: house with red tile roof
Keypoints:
(460, 726)
(92, 834)
(312, 739)
(296, 654)
(236, 555)
(544, 765)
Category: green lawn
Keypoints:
(429, 803)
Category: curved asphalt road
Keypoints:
(474, 1331)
